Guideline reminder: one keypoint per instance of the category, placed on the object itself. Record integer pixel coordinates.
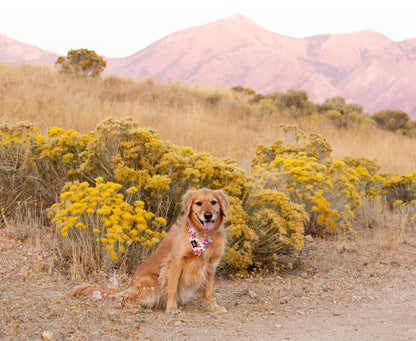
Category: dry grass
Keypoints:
(181, 114)
(390, 228)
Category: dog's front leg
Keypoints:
(209, 294)
(174, 274)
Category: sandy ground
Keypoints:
(342, 291)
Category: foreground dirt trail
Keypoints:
(342, 291)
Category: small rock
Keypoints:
(252, 294)
(177, 323)
(96, 295)
(277, 326)
(284, 300)
(47, 336)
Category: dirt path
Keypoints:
(342, 291)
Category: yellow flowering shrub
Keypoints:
(344, 196)
(371, 166)
(370, 183)
(63, 149)
(384, 195)
(400, 188)
(158, 173)
(303, 172)
(261, 230)
(18, 170)
(97, 223)
(116, 189)
(242, 238)
(295, 143)
(58, 160)
(279, 223)
(123, 152)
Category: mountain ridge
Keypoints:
(363, 67)
(15, 52)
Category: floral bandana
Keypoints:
(199, 244)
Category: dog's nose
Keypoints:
(208, 215)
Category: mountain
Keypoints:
(364, 67)
(14, 52)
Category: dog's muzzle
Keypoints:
(207, 222)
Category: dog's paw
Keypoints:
(219, 309)
(173, 311)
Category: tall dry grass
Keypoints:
(181, 114)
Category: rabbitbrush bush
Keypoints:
(18, 173)
(98, 223)
(114, 191)
(302, 169)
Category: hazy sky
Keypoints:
(119, 28)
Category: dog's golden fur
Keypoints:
(173, 272)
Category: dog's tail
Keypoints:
(87, 289)
(95, 290)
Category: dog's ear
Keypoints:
(187, 201)
(223, 200)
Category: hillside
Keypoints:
(223, 123)
(364, 67)
(14, 52)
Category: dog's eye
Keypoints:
(198, 203)
(213, 202)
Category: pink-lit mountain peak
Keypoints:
(364, 67)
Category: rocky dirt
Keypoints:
(343, 290)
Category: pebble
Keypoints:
(47, 336)
(252, 294)
(96, 295)
(284, 300)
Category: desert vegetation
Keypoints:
(81, 63)
(103, 163)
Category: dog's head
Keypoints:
(205, 208)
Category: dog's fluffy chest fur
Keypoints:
(195, 269)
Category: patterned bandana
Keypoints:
(199, 244)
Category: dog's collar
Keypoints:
(199, 244)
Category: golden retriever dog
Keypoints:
(185, 260)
